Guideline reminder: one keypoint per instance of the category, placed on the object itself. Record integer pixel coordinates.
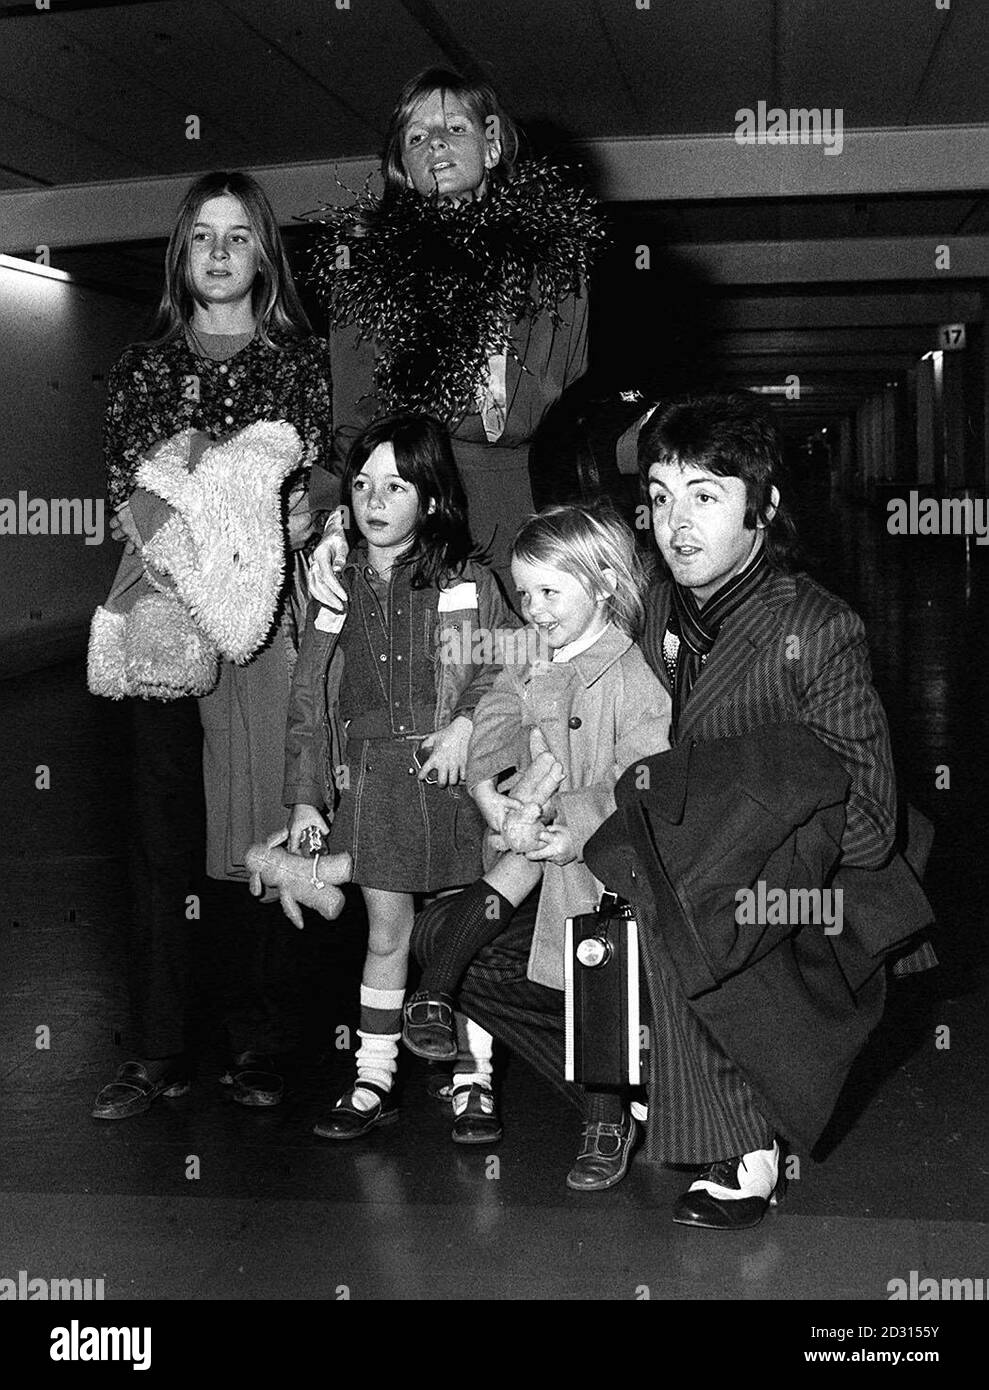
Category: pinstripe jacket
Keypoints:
(794, 654)
(791, 1010)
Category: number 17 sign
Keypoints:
(951, 337)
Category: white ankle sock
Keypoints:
(475, 1047)
(377, 1061)
(757, 1174)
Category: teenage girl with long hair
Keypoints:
(230, 346)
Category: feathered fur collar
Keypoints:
(437, 287)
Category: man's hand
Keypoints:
(328, 560)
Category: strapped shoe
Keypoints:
(429, 1029)
(733, 1193)
(133, 1089)
(255, 1079)
(604, 1157)
(478, 1122)
(347, 1121)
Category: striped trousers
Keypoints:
(700, 1106)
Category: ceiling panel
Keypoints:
(552, 62)
(362, 56)
(103, 92)
(692, 64)
(957, 84)
(46, 148)
(254, 105)
(867, 59)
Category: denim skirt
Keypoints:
(405, 835)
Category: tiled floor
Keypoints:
(276, 1213)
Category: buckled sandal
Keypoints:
(254, 1079)
(346, 1121)
(479, 1121)
(604, 1157)
(133, 1090)
(428, 1029)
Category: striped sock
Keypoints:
(381, 1010)
(379, 1032)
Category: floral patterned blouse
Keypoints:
(155, 391)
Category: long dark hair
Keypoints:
(442, 544)
(730, 436)
(274, 298)
(480, 99)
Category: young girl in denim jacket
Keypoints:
(381, 715)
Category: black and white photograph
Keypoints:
(494, 589)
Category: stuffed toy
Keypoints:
(207, 580)
(310, 880)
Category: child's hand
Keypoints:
(522, 829)
(557, 846)
(123, 527)
(493, 805)
(301, 817)
(299, 519)
(447, 753)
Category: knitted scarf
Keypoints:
(437, 287)
(698, 627)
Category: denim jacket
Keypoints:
(464, 639)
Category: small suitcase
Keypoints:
(601, 996)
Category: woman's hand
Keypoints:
(301, 817)
(328, 560)
(123, 527)
(447, 752)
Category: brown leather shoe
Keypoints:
(429, 1029)
(604, 1158)
(255, 1079)
(136, 1086)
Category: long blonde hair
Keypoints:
(274, 298)
(480, 99)
(582, 541)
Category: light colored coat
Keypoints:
(599, 712)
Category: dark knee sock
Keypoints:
(477, 916)
(603, 1107)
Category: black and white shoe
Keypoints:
(349, 1121)
(733, 1193)
(476, 1118)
